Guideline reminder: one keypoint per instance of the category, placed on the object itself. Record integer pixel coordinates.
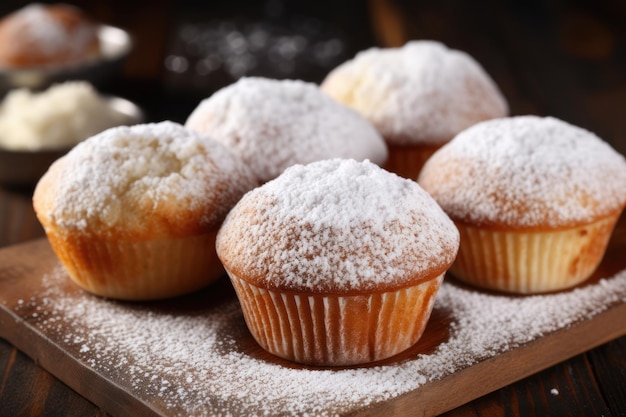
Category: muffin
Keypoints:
(535, 200)
(274, 124)
(133, 212)
(47, 35)
(418, 97)
(337, 262)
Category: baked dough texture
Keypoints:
(133, 211)
(347, 256)
(274, 124)
(535, 199)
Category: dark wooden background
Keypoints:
(561, 58)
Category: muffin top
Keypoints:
(526, 172)
(40, 34)
(274, 124)
(423, 93)
(143, 181)
(337, 226)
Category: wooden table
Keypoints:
(548, 59)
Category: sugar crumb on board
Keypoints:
(193, 361)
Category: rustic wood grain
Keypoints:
(609, 367)
(27, 390)
(579, 392)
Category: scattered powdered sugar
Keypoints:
(421, 93)
(191, 361)
(274, 124)
(337, 225)
(119, 176)
(526, 171)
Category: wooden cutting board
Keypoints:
(85, 342)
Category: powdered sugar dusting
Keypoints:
(338, 225)
(527, 171)
(422, 93)
(117, 177)
(274, 124)
(191, 362)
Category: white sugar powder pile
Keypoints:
(192, 362)
(56, 118)
(274, 124)
(421, 93)
(526, 171)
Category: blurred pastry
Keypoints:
(535, 200)
(418, 96)
(274, 124)
(47, 35)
